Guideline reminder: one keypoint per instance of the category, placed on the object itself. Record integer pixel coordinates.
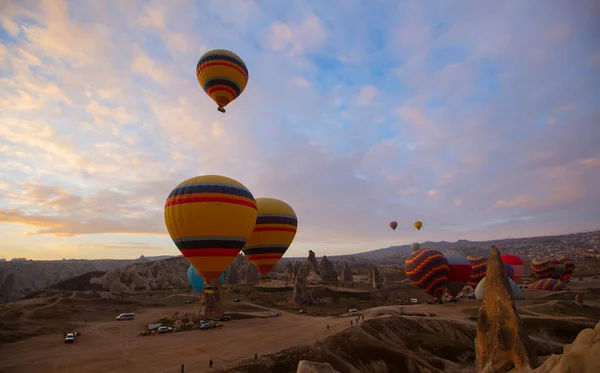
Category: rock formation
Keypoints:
(377, 279)
(327, 270)
(305, 366)
(346, 274)
(312, 260)
(501, 344)
(580, 356)
(298, 267)
(289, 270)
(579, 300)
(214, 302)
(250, 273)
(302, 296)
(232, 275)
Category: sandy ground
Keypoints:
(113, 346)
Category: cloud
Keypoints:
(441, 114)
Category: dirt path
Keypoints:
(113, 346)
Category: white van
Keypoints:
(126, 316)
(414, 301)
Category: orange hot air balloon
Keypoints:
(393, 224)
(275, 229)
(418, 224)
(210, 218)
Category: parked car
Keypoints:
(207, 325)
(188, 301)
(70, 338)
(353, 310)
(236, 300)
(428, 302)
(273, 314)
(165, 329)
(225, 318)
(414, 300)
(126, 316)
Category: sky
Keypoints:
(480, 119)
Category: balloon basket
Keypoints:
(209, 290)
(265, 279)
(221, 109)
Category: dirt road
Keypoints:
(113, 346)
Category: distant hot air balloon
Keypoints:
(516, 291)
(418, 225)
(210, 218)
(516, 263)
(459, 273)
(550, 284)
(195, 279)
(569, 268)
(415, 246)
(223, 75)
(393, 224)
(274, 232)
(478, 267)
(428, 269)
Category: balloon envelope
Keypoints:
(459, 273)
(223, 75)
(273, 233)
(569, 268)
(516, 291)
(478, 267)
(415, 246)
(418, 225)
(394, 224)
(195, 279)
(428, 269)
(550, 284)
(516, 263)
(210, 218)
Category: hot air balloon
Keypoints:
(516, 263)
(393, 224)
(510, 272)
(478, 267)
(547, 268)
(569, 268)
(274, 232)
(459, 273)
(428, 269)
(210, 218)
(223, 75)
(551, 284)
(516, 292)
(195, 279)
(415, 246)
(418, 225)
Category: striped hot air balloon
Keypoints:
(210, 218)
(547, 268)
(516, 263)
(274, 232)
(223, 75)
(478, 267)
(569, 268)
(428, 269)
(459, 273)
(550, 284)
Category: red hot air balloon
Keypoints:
(516, 263)
(393, 224)
(428, 269)
(459, 273)
(478, 267)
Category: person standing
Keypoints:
(351, 323)
(210, 364)
(255, 356)
(181, 368)
(327, 326)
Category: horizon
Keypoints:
(478, 120)
(296, 257)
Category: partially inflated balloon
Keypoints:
(569, 268)
(428, 269)
(195, 279)
(516, 291)
(274, 232)
(394, 224)
(418, 225)
(510, 272)
(459, 273)
(415, 246)
(550, 284)
(223, 75)
(547, 268)
(210, 218)
(516, 263)
(478, 267)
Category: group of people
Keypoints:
(358, 318)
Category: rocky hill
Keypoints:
(21, 277)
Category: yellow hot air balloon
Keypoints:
(223, 75)
(274, 232)
(210, 219)
(418, 225)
